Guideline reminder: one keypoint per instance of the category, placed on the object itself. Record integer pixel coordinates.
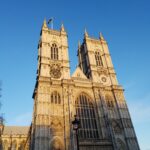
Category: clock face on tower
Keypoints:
(55, 71)
(104, 79)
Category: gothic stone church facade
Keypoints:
(92, 93)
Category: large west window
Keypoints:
(54, 52)
(85, 112)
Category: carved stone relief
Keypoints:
(56, 124)
(102, 71)
(55, 71)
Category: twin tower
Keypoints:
(92, 93)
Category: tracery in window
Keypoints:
(98, 59)
(55, 98)
(85, 112)
(54, 52)
(109, 101)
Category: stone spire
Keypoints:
(44, 24)
(79, 45)
(101, 36)
(85, 33)
(79, 54)
(62, 28)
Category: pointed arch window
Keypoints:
(55, 98)
(98, 59)
(54, 52)
(85, 111)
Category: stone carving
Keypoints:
(120, 144)
(55, 71)
(103, 71)
(116, 126)
(56, 124)
(104, 79)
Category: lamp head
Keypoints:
(75, 123)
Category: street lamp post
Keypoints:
(76, 124)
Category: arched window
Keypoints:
(56, 145)
(5, 145)
(85, 112)
(109, 101)
(98, 59)
(54, 52)
(14, 145)
(55, 98)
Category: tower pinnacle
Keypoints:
(101, 36)
(62, 28)
(44, 24)
(79, 44)
(85, 33)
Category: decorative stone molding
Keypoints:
(102, 71)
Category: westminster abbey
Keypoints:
(92, 93)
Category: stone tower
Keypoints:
(92, 93)
(50, 120)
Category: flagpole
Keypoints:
(50, 21)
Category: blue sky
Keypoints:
(124, 24)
